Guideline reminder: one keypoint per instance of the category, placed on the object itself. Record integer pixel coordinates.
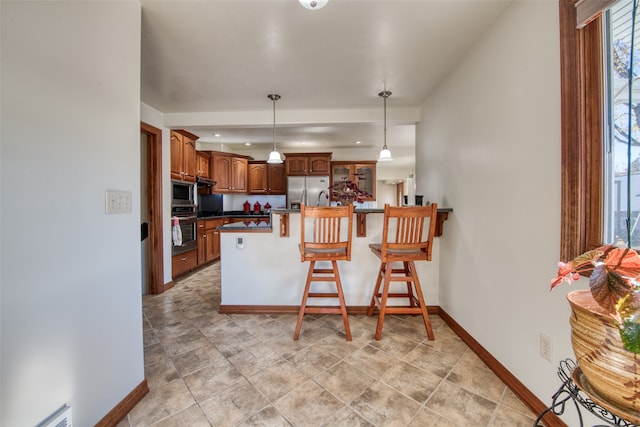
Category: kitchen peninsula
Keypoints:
(261, 271)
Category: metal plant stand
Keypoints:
(569, 392)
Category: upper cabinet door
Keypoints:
(319, 164)
(258, 178)
(296, 165)
(276, 179)
(183, 155)
(239, 175)
(222, 173)
(308, 164)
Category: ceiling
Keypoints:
(209, 65)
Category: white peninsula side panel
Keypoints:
(266, 270)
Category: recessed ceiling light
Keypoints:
(247, 143)
(217, 135)
(357, 142)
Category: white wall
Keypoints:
(71, 316)
(489, 147)
(153, 117)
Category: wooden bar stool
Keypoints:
(324, 240)
(404, 239)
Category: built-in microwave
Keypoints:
(182, 193)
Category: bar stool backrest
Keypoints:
(405, 235)
(326, 232)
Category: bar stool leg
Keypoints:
(343, 305)
(376, 290)
(383, 301)
(409, 285)
(303, 304)
(423, 307)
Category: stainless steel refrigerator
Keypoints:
(310, 190)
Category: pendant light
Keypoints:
(274, 156)
(313, 4)
(385, 154)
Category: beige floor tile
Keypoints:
(477, 379)
(395, 344)
(161, 403)
(233, 342)
(153, 354)
(285, 346)
(460, 406)
(268, 417)
(347, 417)
(431, 360)
(344, 381)
(269, 330)
(313, 330)
(160, 373)
(377, 361)
(339, 347)
(312, 360)
(319, 380)
(308, 405)
(384, 406)
(193, 360)
(505, 417)
(183, 343)
(277, 379)
(173, 327)
(446, 343)
(213, 379)
(427, 418)
(192, 417)
(253, 360)
(234, 404)
(411, 381)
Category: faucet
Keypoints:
(326, 195)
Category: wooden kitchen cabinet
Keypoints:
(363, 173)
(208, 240)
(266, 178)
(229, 172)
(183, 155)
(202, 164)
(184, 262)
(307, 163)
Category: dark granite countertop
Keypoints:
(248, 225)
(356, 210)
(232, 214)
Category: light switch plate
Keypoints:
(240, 242)
(118, 202)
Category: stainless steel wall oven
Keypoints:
(187, 220)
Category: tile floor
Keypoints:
(209, 369)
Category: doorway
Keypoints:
(151, 209)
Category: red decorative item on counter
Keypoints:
(267, 206)
(247, 207)
(256, 208)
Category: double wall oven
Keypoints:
(183, 208)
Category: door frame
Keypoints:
(154, 203)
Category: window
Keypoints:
(622, 160)
(581, 79)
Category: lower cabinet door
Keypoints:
(184, 262)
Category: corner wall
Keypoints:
(71, 309)
(488, 146)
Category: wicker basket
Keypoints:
(612, 372)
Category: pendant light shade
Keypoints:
(385, 153)
(274, 156)
(313, 4)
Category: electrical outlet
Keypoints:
(546, 347)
